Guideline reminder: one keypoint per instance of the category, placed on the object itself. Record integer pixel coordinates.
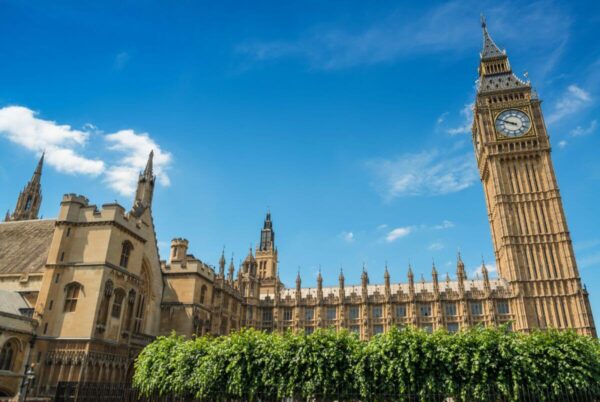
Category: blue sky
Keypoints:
(349, 120)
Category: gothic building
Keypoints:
(83, 293)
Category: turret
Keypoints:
(364, 280)
(460, 275)
(231, 271)
(298, 287)
(386, 280)
(434, 277)
(486, 278)
(319, 286)
(342, 281)
(411, 283)
(179, 247)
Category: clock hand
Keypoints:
(509, 122)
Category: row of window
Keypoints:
(450, 309)
(451, 327)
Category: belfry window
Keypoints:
(71, 295)
(7, 355)
(125, 253)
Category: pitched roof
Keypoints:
(12, 302)
(24, 245)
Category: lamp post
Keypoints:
(29, 378)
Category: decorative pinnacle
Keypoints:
(483, 23)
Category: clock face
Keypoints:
(513, 123)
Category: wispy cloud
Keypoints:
(580, 131)
(573, 100)
(435, 246)
(449, 27)
(122, 155)
(398, 233)
(134, 149)
(425, 173)
(62, 143)
(467, 120)
(446, 224)
(490, 267)
(121, 60)
(348, 237)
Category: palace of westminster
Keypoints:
(83, 293)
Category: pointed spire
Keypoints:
(7, 216)
(490, 49)
(298, 279)
(40, 165)
(30, 199)
(341, 277)
(222, 264)
(145, 188)
(319, 277)
(148, 171)
(410, 272)
(231, 270)
(433, 270)
(364, 277)
(386, 273)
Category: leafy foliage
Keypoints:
(469, 365)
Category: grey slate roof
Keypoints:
(490, 49)
(24, 245)
(11, 302)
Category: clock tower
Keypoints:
(532, 244)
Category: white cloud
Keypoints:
(490, 267)
(61, 143)
(398, 233)
(467, 115)
(382, 226)
(562, 144)
(134, 149)
(64, 148)
(425, 173)
(446, 224)
(583, 131)
(572, 101)
(348, 237)
(436, 246)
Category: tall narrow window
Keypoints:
(139, 315)
(203, 290)
(117, 303)
(7, 355)
(125, 253)
(71, 296)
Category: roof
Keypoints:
(11, 302)
(24, 245)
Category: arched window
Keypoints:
(203, 294)
(125, 253)
(7, 355)
(118, 303)
(71, 295)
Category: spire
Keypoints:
(231, 270)
(30, 199)
(40, 165)
(7, 216)
(145, 188)
(298, 280)
(490, 49)
(386, 274)
(148, 171)
(267, 235)
(460, 268)
(341, 277)
(364, 277)
(319, 278)
(222, 264)
(495, 73)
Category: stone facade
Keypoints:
(82, 294)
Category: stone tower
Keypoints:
(531, 239)
(30, 199)
(266, 254)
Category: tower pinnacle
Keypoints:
(30, 199)
(145, 188)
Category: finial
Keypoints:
(483, 22)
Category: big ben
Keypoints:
(531, 239)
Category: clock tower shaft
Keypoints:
(532, 244)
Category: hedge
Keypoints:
(469, 365)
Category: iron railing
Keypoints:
(104, 392)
